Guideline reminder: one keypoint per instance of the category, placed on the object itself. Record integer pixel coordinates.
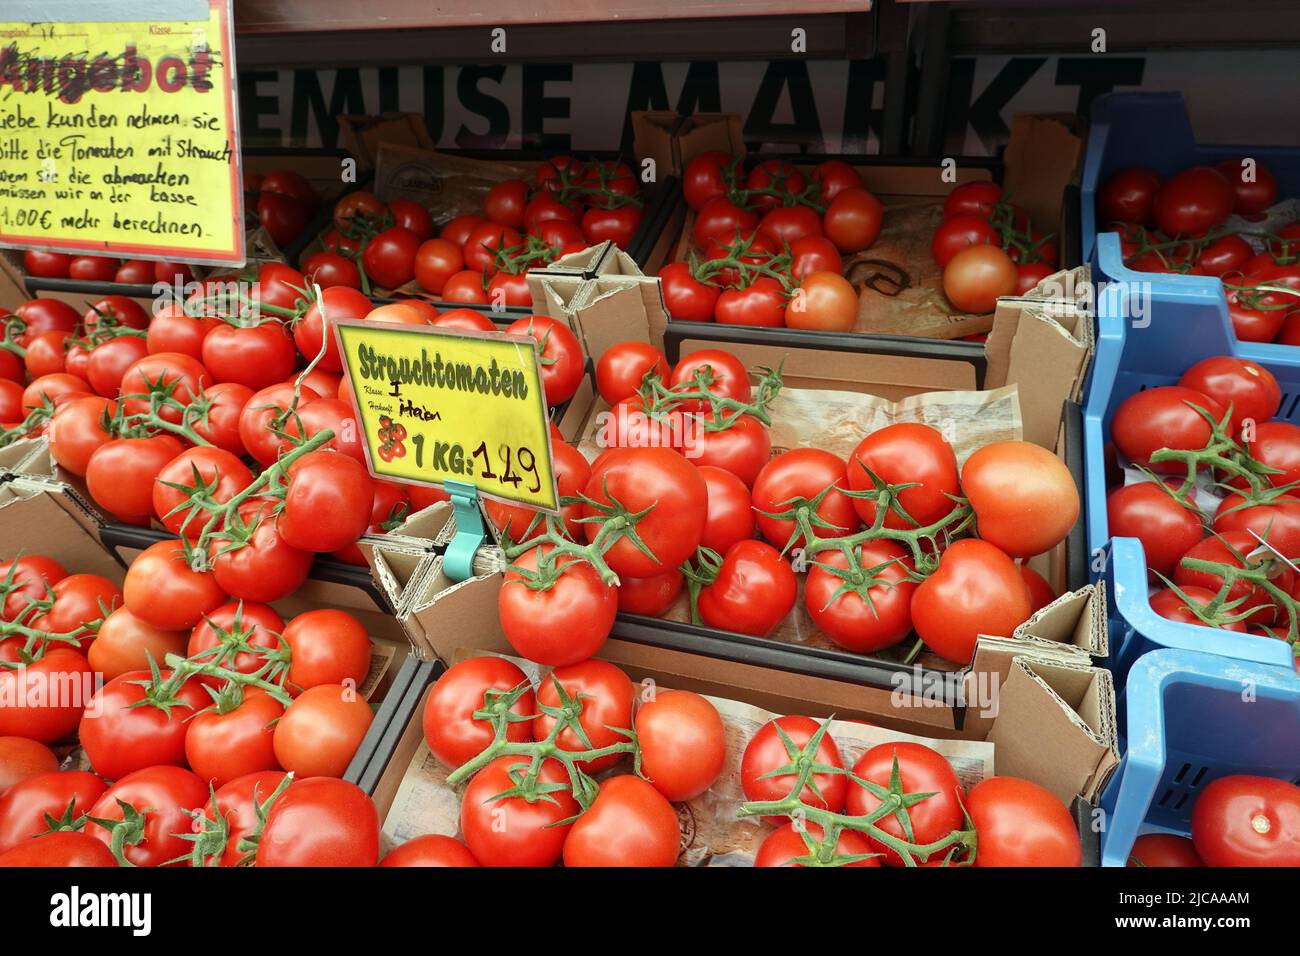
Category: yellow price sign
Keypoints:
(120, 137)
(441, 404)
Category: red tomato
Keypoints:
(1166, 416)
(1254, 186)
(436, 261)
(1276, 521)
(237, 803)
(25, 805)
(683, 743)
(658, 479)
(320, 731)
(787, 224)
(1163, 849)
(329, 269)
(56, 388)
(560, 352)
(776, 174)
(482, 244)
(45, 315)
(47, 354)
(606, 696)
(853, 220)
(65, 849)
(622, 367)
(224, 744)
(164, 590)
(1193, 202)
(976, 277)
(825, 301)
(116, 310)
(92, 268)
(283, 217)
(309, 332)
(430, 850)
(163, 796)
(835, 176)
(1168, 604)
(468, 287)
(265, 568)
(705, 178)
(906, 453)
(1277, 445)
(505, 203)
(724, 374)
(465, 319)
(754, 591)
(1248, 821)
(172, 372)
(977, 590)
(685, 297)
(651, 597)
(847, 618)
(214, 474)
(1248, 388)
(1129, 196)
(22, 758)
(326, 646)
(768, 751)
(813, 254)
(328, 502)
(1024, 497)
(1019, 823)
(120, 474)
(452, 733)
(721, 219)
(728, 516)
(360, 205)
(173, 331)
(389, 258)
(629, 824)
(572, 473)
(562, 625)
(1166, 528)
(920, 770)
(412, 217)
(27, 579)
(782, 847)
(45, 720)
(1224, 549)
(236, 636)
(617, 225)
(121, 735)
(534, 835)
(227, 402)
(46, 265)
(972, 199)
(125, 643)
(109, 361)
(321, 822)
(802, 473)
(959, 232)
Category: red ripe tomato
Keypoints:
(813, 254)
(762, 303)
(78, 599)
(357, 205)
(389, 258)
(853, 220)
(126, 643)
(109, 361)
(1276, 521)
(1242, 820)
(562, 625)
(976, 277)
(412, 217)
(1019, 823)
(728, 517)
(121, 735)
(309, 332)
(452, 733)
(509, 289)
(45, 315)
(436, 261)
(1224, 549)
(558, 170)
(754, 591)
(457, 230)
(721, 219)
(768, 751)
(120, 474)
(1248, 388)
(224, 744)
(1029, 275)
(466, 320)
(173, 331)
(1254, 186)
(320, 731)
(606, 695)
(1147, 512)
(283, 217)
(560, 235)
(173, 371)
(1163, 849)
(959, 232)
(237, 803)
(972, 199)
(469, 287)
(650, 597)
(1277, 445)
(685, 297)
(26, 803)
(11, 401)
(236, 636)
(78, 431)
(321, 822)
(782, 847)
(482, 244)
(743, 448)
(27, 579)
(172, 273)
(430, 850)
(787, 224)
(658, 479)
(46, 265)
(328, 502)
(256, 419)
(217, 475)
(1128, 196)
(977, 590)
(21, 759)
(776, 174)
(629, 824)
(288, 183)
(11, 367)
(505, 203)
(1024, 497)
(535, 834)
(835, 176)
(802, 473)
(705, 178)
(329, 269)
(56, 388)
(1163, 417)
(683, 743)
(338, 417)
(1224, 255)
(47, 354)
(1168, 604)
(847, 618)
(116, 310)
(1257, 317)
(228, 400)
(617, 225)
(906, 453)
(824, 301)
(558, 346)
(46, 720)
(1193, 202)
(545, 207)
(164, 796)
(164, 590)
(725, 373)
(326, 646)
(92, 268)
(62, 850)
(920, 770)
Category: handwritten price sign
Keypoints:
(439, 404)
(120, 137)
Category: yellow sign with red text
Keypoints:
(121, 138)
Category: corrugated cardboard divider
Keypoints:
(37, 519)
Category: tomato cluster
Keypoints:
(475, 259)
(1209, 489)
(987, 248)
(688, 497)
(768, 243)
(1182, 226)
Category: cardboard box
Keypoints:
(362, 135)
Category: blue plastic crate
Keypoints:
(1153, 130)
(1191, 718)
(1182, 323)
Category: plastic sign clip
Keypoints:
(458, 561)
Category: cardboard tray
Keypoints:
(384, 755)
